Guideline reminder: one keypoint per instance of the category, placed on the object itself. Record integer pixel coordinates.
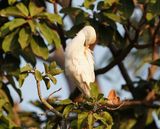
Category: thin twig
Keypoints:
(53, 93)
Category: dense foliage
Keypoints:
(29, 31)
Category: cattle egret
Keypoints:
(79, 63)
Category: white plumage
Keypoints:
(79, 63)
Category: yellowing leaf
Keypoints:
(10, 2)
(90, 121)
(53, 79)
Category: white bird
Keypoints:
(79, 63)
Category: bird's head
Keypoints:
(90, 35)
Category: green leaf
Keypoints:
(55, 71)
(99, 117)
(81, 118)
(110, 2)
(52, 17)
(156, 62)
(22, 77)
(113, 17)
(32, 25)
(67, 110)
(149, 16)
(24, 37)
(28, 55)
(10, 2)
(6, 44)
(34, 10)
(94, 90)
(47, 83)
(39, 48)
(46, 67)
(52, 65)
(26, 68)
(90, 121)
(22, 8)
(50, 35)
(38, 75)
(65, 102)
(56, 39)
(88, 3)
(53, 79)
(11, 11)
(107, 117)
(16, 23)
(46, 32)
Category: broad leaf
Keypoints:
(38, 75)
(22, 8)
(10, 2)
(65, 102)
(67, 110)
(51, 17)
(81, 117)
(47, 83)
(6, 44)
(113, 17)
(22, 77)
(46, 32)
(26, 68)
(24, 37)
(34, 10)
(10, 11)
(90, 121)
(39, 48)
(32, 25)
(53, 79)
(16, 23)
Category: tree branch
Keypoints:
(122, 68)
(116, 61)
(45, 102)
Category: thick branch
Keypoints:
(122, 69)
(45, 102)
(116, 61)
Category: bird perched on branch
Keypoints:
(79, 63)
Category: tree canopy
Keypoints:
(29, 31)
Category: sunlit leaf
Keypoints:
(113, 17)
(65, 102)
(39, 48)
(51, 17)
(67, 110)
(16, 23)
(46, 67)
(10, 2)
(22, 77)
(55, 71)
(90, 121)
(26, 68)
(6, 44)
(10, 11)
(32, 25)
(94, 90)
(88, 3)
(33, 9)
(81, 118)
(24, 37)
(22, 8)
(53, 79)
(38, 75)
